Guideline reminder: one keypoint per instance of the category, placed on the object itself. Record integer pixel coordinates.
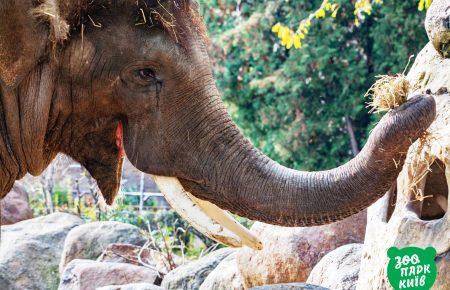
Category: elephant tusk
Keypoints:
(206, 217)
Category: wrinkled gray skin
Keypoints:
(71, 95)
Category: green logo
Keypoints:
(411, 268)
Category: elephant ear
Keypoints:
(26, 30)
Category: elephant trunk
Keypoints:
(241, 179)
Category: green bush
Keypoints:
(292, 104)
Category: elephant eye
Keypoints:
(147, 74)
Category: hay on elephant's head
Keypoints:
(388, 92)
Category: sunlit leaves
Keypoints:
(290, 38)
(424, 4)
(291, 103)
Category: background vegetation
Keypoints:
(297, 105)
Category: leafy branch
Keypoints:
(293, 38)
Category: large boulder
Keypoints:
(15, 207)
(134, 286)
(193, 274)
(289, 254)
(30, 251)
(437, 24)
(339, 269)
(289, 286)
(89, 240)
(127, 253)
(89, 275)
(225, 276)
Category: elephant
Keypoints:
(98, 80)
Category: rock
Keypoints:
(192, 275)
(400, 219)
(15, 207)
(437, 24)
(30, 251)
(127, 253)
(135, 286)
(289, 286)
(339, 269)
(289, 254)
(443, 268)
(224, 277)
(89, 240)
(89, 275)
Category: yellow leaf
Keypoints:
(320, 13)
(281, 31)
(334, 13)
(290, 43)
(286, 35)
(428, 3)
(421, 5)
(276, 27)
(297, 41)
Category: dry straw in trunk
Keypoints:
(388, 92)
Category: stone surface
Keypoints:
(289, 286)
(89, 275)
(89, 240)
(15, 207)
(339, 269)
(192, 275)
(135, 286)
(443, 268)
(224, 277)
(127, 253)
(437, 24)
(289, 254)
(397, 218)
(30, 251)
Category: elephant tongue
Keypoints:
(119, 140)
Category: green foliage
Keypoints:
(292, 103)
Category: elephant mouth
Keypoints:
(206, 217)
(119, 141)
(103, 156)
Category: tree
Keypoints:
(295, 104)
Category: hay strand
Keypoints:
(49, 11)
(388, 92)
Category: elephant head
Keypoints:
(100, 79)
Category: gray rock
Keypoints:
(126, 253)
(225, 276)
(30, 251)
(437, 24)
(191, 275)
(15, 207)
(339, 269)
(89, 275)
(443, 268)
(289, 286)
(135, 286)
(290, 253)
(89, 240)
